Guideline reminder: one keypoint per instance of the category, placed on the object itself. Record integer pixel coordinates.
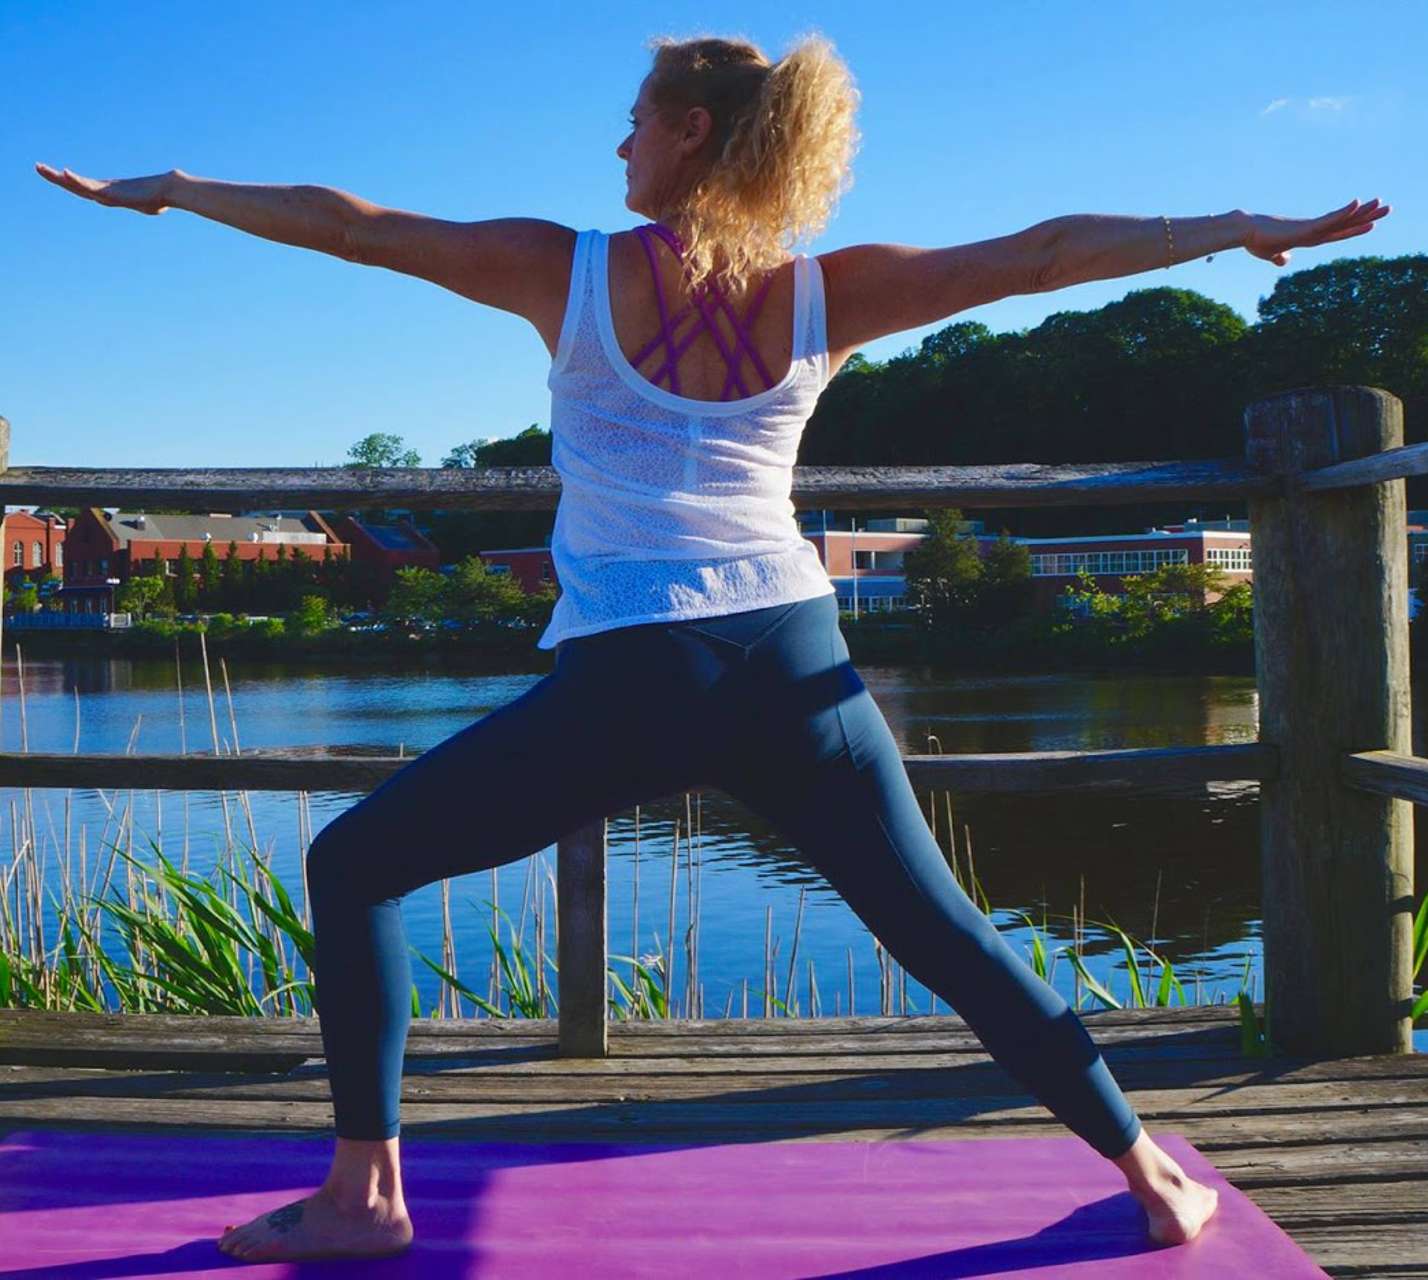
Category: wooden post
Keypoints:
(581, 953)
(1331, 660)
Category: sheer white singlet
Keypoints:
(672, 507)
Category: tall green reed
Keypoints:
(244, 947)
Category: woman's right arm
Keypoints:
(309, 217)
(521, 265)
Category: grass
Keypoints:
(242, 945)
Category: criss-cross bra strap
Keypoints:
(665, 329)
(669, 327)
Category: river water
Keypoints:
(1177, 869)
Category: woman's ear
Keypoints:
(698, 124)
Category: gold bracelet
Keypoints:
(1170, 242)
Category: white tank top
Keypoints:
(672, 507)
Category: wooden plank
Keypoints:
(270, 769)
(36, 1036)
(1132, 1066)
(1016, 484)
(1255, 1164)
(864, 1099)
(1331, 648)
(1249, 1112)
(1387, 773)
(1355, 1229)
(1364, 1203)
(1215, 1064)
(1389, 464)
(178, 1049)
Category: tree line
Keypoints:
(1162, 373)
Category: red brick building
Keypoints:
(34, 547)
(103, 548)
(1109, 558)
(387, 547)
(532, 567)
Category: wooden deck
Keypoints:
(1334, 1151)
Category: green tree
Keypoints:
(1233, 616)
(381, 449)
(416, 593)
(209, 594)
(944, 571)
(1007, 591)
(310, 617)
(231, 579)
(1167, 593)
(302, 568)
(473, 594)
(140, 595)
(260, 593)
(185, 588)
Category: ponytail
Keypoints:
(780, 152)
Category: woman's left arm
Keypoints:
(1100, 246)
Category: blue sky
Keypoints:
(174, 341)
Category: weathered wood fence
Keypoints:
(1323, 477)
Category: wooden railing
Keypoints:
(1323, 477)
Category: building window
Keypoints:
(545, 572)
(17, 553)
(1068, 564)
(104, 566)
(498, 568)
(877, 559)
(1236, 559)
(59, 555)
(39, 551)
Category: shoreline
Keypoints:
(875, 644)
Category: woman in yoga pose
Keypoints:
(687, 354)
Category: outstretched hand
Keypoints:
(143, 195)
(1272, 238)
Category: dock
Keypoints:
(1334, 1151)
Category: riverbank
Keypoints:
(1182, 645)
(496, 648)
(1041, 645)
(1033, 645)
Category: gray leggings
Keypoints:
(764, 705)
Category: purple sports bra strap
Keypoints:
(669, 327)
(698, 298)
(745, 328)
(731, 358)
(664, 324)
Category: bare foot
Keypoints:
(318, 1228)
(1176, 1204)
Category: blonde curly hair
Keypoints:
(779, 154)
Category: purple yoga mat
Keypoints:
(86, 1205)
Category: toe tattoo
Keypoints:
(286, 1218)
